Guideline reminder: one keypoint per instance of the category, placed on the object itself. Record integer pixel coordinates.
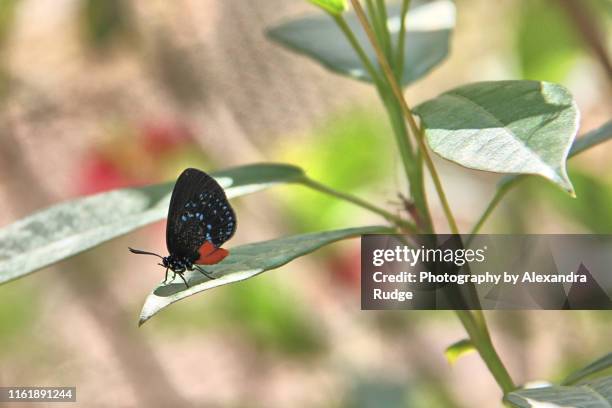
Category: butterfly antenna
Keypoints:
(139, 252)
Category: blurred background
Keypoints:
(102, 94)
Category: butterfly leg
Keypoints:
(203, 272)
(166, 277)
(183, 278)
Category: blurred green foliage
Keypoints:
(590, 208)
(546, 44)
(7, 14)
(104, 21)
(7, 18)
(264, 311)
(4, 83)
(350, 152)
(272, 316)
(18, 310)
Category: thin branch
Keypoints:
(400, 222)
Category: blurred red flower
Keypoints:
(160, 136)
(132, 156)
(346, 267)
(101, 174)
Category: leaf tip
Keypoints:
(560, 177)
(458, 349)
(334, 7)
(567, 186)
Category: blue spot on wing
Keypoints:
(202, 216)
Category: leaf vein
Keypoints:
(502, 125)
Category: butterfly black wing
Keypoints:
(199, 212)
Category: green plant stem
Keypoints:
(407, 113)
(499, 194)
(373, 15)
(481, 322)
(412, 165)
(484, 346)
(476, 327)
(350, 36)
(479, 317)
(398, 221)
(414, 168)
(384, 28)
(413, 173)
(399, 63)
(420, 196)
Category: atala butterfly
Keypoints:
(200, 220)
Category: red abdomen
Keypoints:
(210, 255)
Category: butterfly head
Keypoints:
(176, 264)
